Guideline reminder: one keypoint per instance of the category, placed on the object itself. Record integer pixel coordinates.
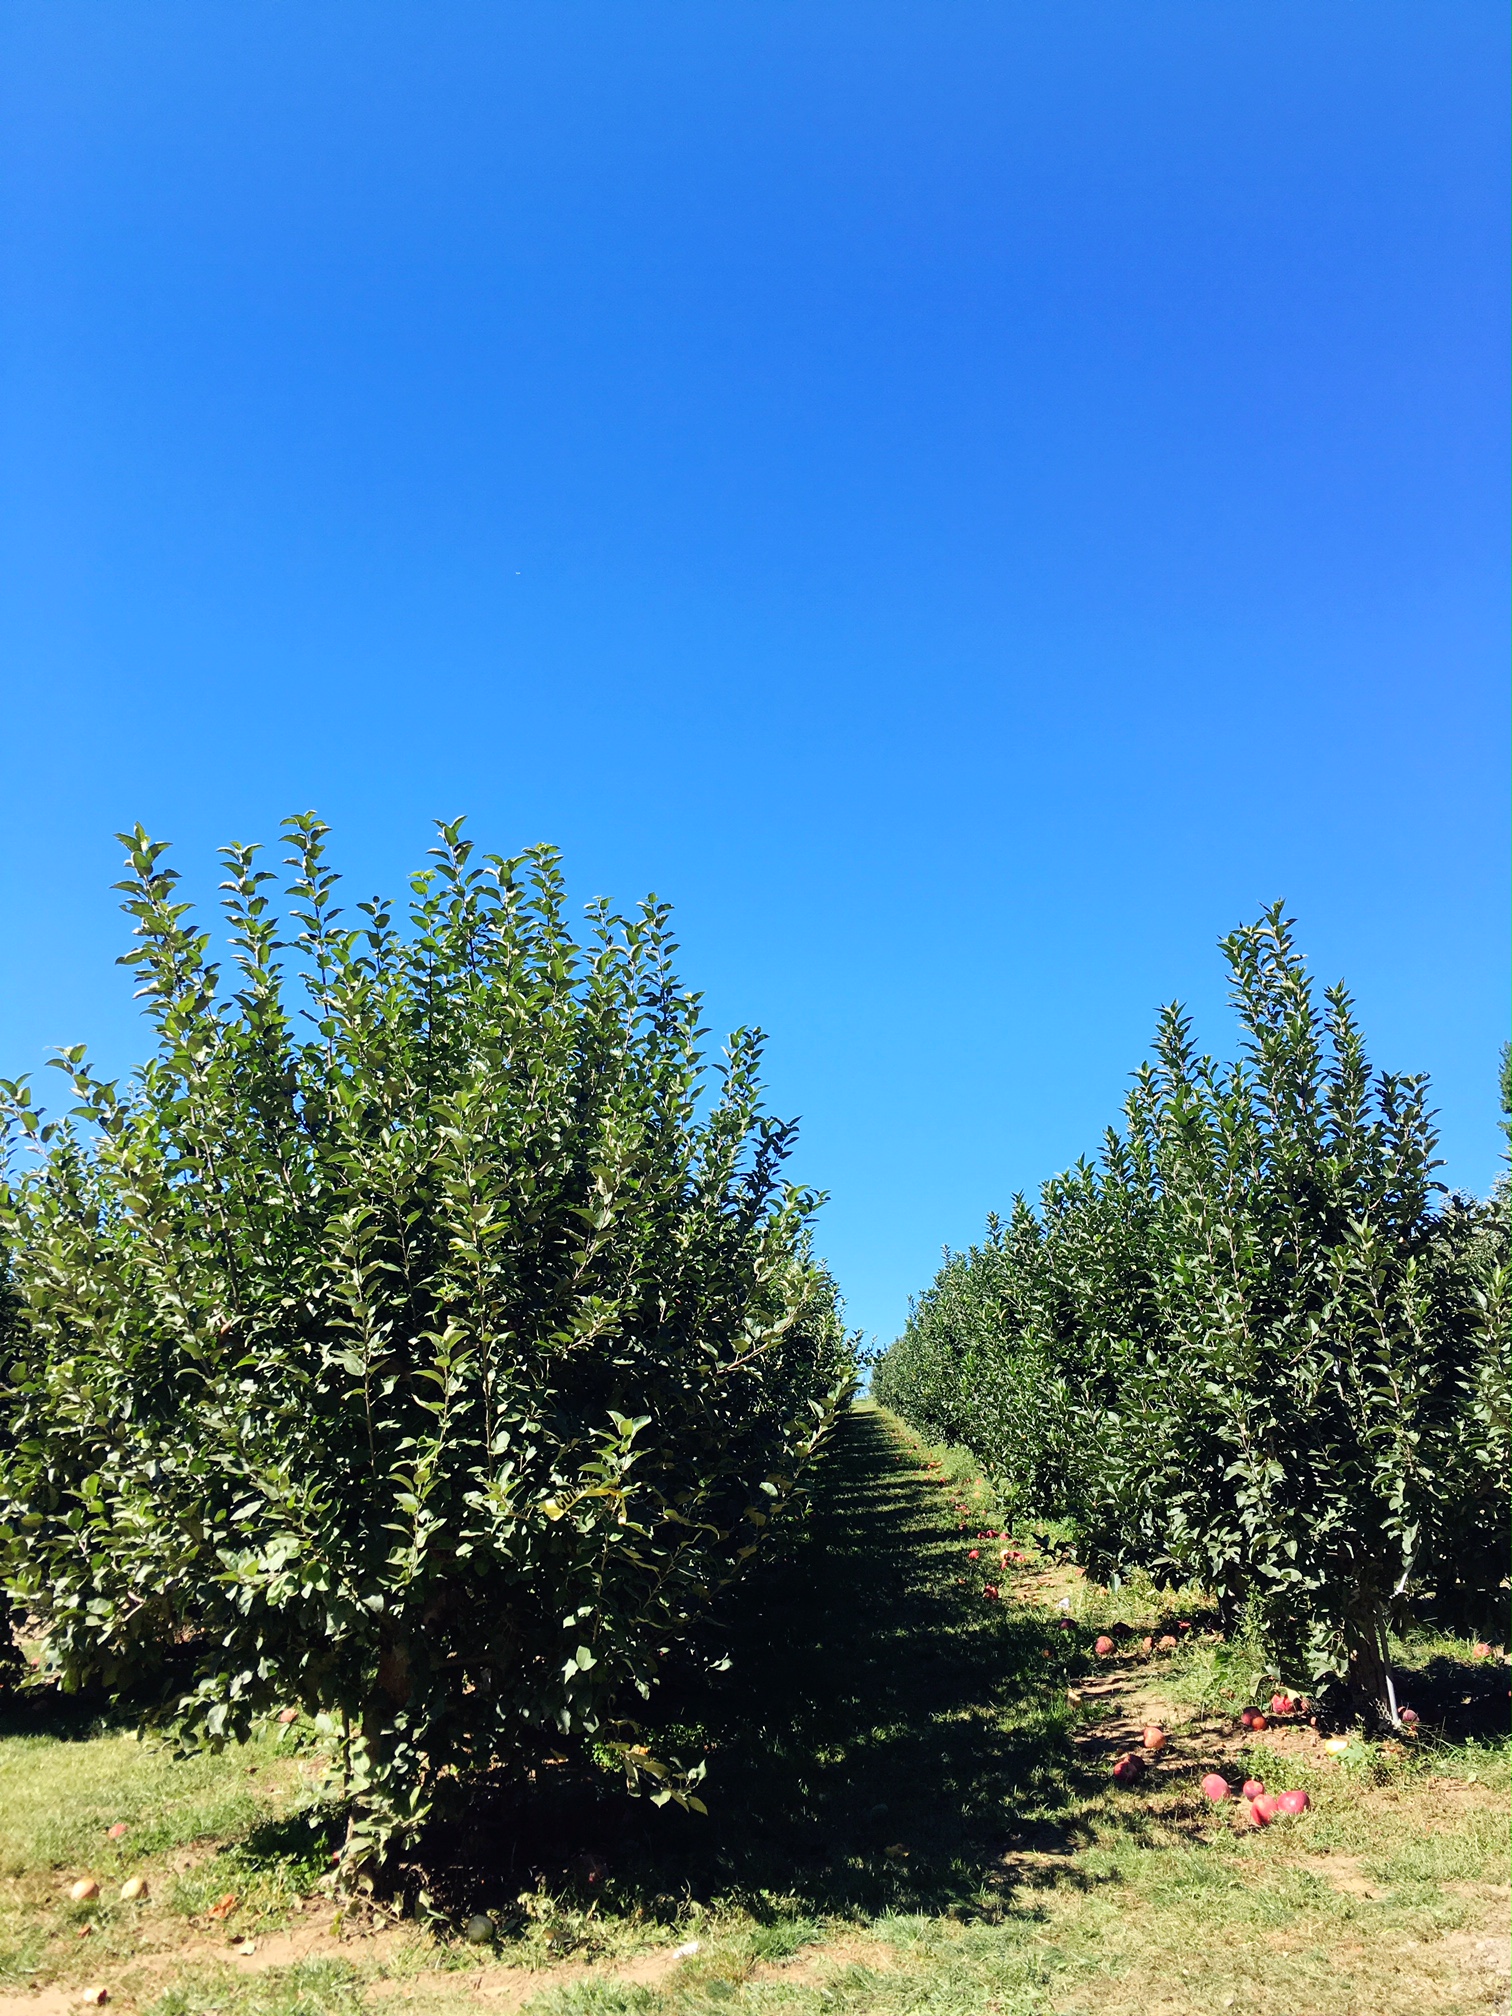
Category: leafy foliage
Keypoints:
(406, 1341)
(1243, 1346)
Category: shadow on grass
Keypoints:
(882, 1733)
(67, 1718)
(1457, 1701)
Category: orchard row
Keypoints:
(1252, 1344)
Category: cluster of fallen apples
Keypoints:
(1129, 1767)
(1008, 1557)
(1105, 1647)
(1262, 1806)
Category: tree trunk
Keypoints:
(1371, 1685)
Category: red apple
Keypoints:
(1154, 1736)
(1103, 1647)
(1283, 1704)
(1294, 1802)
(975, 1554)
(1214, 1787)
(1263, 1810)
(1066, 1624)
(1127, 1769)
(1253, 1787)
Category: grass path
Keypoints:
(862, 1753)
(910, 1811)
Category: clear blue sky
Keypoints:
(968, 501)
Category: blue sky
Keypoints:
(968, 501)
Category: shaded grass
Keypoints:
(857, 1758)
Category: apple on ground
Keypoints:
(1154, 1736)
(1127, 1768)
(1294, 1802)
(1214, 1787)
(1253, 1787)
(1103, 1646)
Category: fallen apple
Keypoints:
(1253, 1787)
(1294, 1802)
(118, 1832)
(1263, 1810)
(1103, 1647)
(1282, 1704)
(1154, 1736)
(990, 1592)
(975, 1554)
(1166, 1643)
(1214, 1787)
(1127, 1768)
(85, 1890)
(133, 1890)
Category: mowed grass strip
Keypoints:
(907, 1814)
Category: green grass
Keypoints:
(907, 1814)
